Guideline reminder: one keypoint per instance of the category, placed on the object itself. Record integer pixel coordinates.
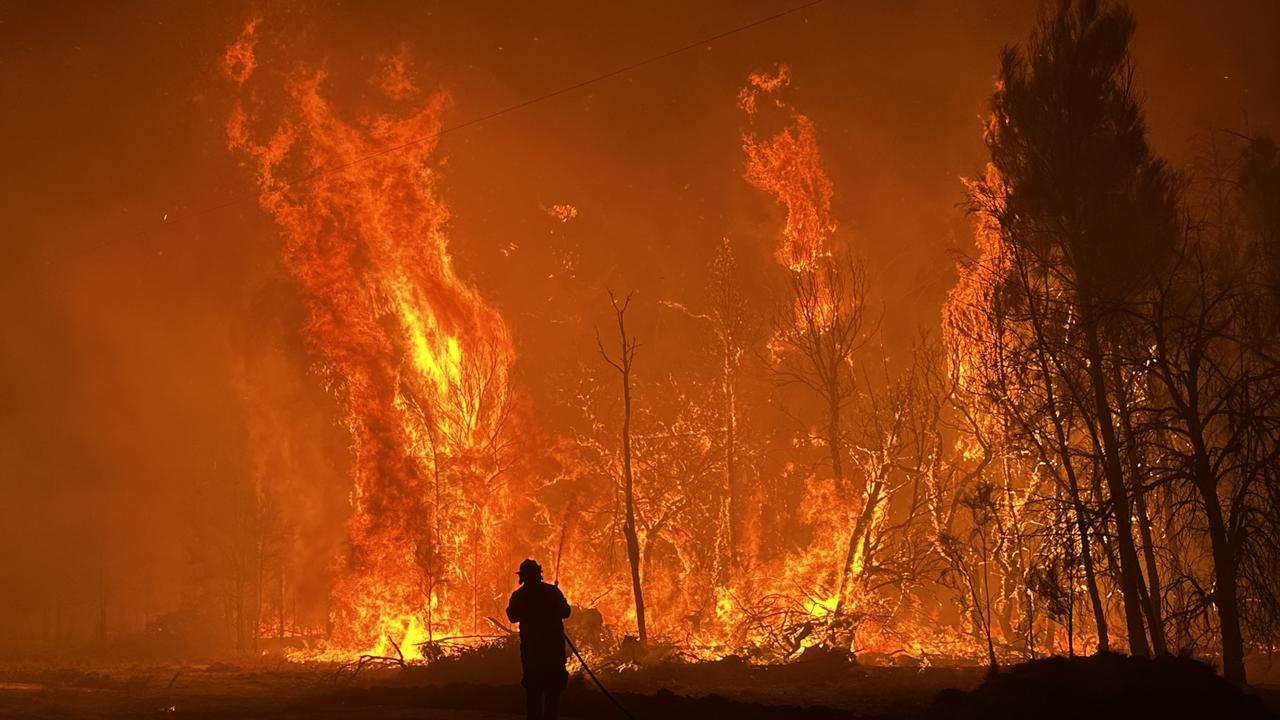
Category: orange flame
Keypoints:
(418, 359)
(788, 166)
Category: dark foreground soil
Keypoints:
(1100, 688)
(477, 689)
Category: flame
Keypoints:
(420, 364)
(788, 165)
(417, 358)
(966, 325)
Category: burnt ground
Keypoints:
(475, 689)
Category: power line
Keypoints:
(324, 171)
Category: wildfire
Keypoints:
(788, 165)
(420, 363)
(417, 358)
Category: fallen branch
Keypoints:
(369, 660)
(498, 624)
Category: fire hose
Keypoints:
(560, 553)
(596, 680)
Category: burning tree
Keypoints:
(1011, 357)
(1101, 336)
(729, 325)
(821, 325)
(623, 363)
(1097, 420)
(417, 358)
(1084, 206)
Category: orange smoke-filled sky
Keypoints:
(123, 333)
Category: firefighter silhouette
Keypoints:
(540, 609)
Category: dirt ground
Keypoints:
(481, 688)
(282, 691)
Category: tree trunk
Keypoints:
(1073, 483)
(623, 366)
(1086, 557)
(1154, 618)
(1071, 615)
(1152, 590)
(280, 600)
(732, 501)
(629, 528)
(1224, 592)
(850, 571)
(1130, 572)
(1225, 595)
(833, 432)
(994, 664)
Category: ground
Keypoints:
(481, 689)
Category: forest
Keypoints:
(1080, 458)
(1075, 452)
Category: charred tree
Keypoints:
(1086, 197)
(729, 327)
(623, 364)
(1151, 590)
(1208, 384)
(1051, 368)
(823, 327)
(1014, 371)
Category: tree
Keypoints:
(1085, 198)
(728, 322)
(1257, 193)
(822, 327)
(1014, 367)
(1203, 376)
(1203, 347)
(819, 334)
(623, 363)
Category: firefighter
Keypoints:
(540, 609)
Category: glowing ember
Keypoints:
(562, 212)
